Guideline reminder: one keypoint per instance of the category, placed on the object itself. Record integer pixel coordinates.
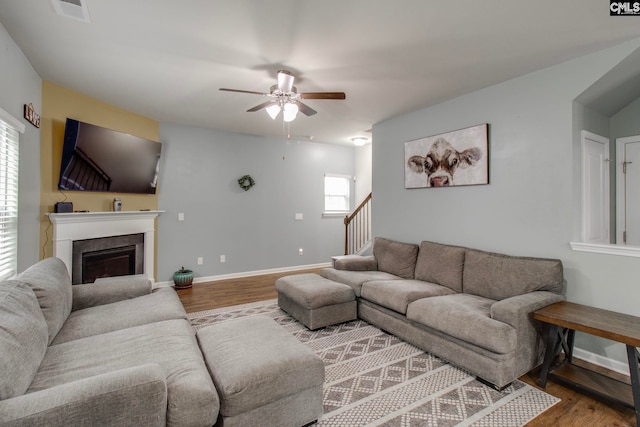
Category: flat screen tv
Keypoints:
(99, 159)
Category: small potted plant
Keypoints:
(183, 278)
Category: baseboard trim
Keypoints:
(243, 274)
(605, 362)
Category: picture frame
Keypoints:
(31, 116)
(456, 158)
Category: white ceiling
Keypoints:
(166, 59)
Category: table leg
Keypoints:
(553, 339)
(634, 370)
(568, 348)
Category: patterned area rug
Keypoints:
(376, 379)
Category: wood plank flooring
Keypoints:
(224, 293)
(575, 409)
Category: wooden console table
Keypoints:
(564, 319)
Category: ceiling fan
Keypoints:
(285, 97)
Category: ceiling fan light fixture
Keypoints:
(273, 110)
(283, 96)
(290, 111)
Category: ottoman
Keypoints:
(264, 376)
(315, 301)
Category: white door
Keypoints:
(595, 188)
(628, 189)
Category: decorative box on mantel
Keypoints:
(69, 227)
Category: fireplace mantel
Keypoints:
(68, 227)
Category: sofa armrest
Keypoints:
(108, 291)
(132, 396)
(356, 263)
(518, 310)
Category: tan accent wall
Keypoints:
(58, 104)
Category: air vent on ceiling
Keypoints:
(76, 9)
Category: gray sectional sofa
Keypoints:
(470, 307)
(116, 353)
(120, 353)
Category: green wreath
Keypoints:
(246, 182)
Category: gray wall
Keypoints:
(363, 172)
(256, 229)
(19, 85)
(529, 206)
(626, 122)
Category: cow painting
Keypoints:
(456, 158)
(442, 161)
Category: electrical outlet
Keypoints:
(181, 216)
(200, 261)
(299, 217)
(300, 251)
(223, 258)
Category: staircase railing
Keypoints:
(358, 227)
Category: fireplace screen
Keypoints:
(107, 257)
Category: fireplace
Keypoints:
(78, 226)
(107, 257)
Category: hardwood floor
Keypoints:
(224, 293)
(575, 409)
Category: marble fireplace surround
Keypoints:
(68, 227)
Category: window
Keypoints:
(9, 128)
(337, 193)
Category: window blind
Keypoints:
(9, 158)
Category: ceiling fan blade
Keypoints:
(305, 109)
(244, 91)
(261, 106)
(323, 95)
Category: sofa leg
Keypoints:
(493, 386)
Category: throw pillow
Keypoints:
(498, 276)
(441, 264)
(396, 258)
(23, 338)
(50, 281)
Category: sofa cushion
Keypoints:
(23, 337)
(441, 264)
(397, 294)
(192, 399)
(466, 317)
(355, 263)
(355, 279)
(498, 276)
(395, 258)
(50, 281)
(106, 290)
(162, 304)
